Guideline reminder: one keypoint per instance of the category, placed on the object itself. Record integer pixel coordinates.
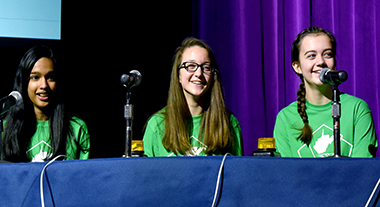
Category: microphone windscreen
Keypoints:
(138, 76)
(342, 76)
(322, 75)
(17, 96)
(124, 79)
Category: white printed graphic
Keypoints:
(42, 155)
(197, 149)
(323, 142)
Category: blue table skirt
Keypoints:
(191, 181)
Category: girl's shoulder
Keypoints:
(232, 118)
(289, 108)
(157, 117)
(75, 121)
(344, 97)
(353, 103)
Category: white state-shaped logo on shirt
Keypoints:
(42, 155)
(324, 144)
(194, 151)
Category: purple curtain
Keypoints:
(252, 43)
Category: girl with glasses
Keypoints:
(195, 121)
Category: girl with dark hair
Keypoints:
(195, 121)
(41, 127)
(305, 127)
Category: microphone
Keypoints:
(333, 77)
(14, 98)
(133, 78)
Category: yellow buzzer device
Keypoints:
(266, 148)
(137, 148)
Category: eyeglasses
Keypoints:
(191, 67)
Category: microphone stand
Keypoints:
(335, 108)
(129, 81)
(128, 115)
(327, 76)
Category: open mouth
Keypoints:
(43, 96)
(197, 83)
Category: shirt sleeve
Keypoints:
(237, 148)
(85, 144)
(280, 137)
(79, 147)
(148, 139)
(153, 136)
(365, 141)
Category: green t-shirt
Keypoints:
(155, 131)
(357, 132)
(39, 147)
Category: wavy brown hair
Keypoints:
(306, 131)
(214, 128)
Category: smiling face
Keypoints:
(42, 84)
(316, 53)
(194, 84)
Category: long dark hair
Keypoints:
(21, 120)
(306, 131)
(215, 120)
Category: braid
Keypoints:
(306, 132)
(301, 102)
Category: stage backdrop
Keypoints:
(252, 41)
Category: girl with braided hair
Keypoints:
(305, 127)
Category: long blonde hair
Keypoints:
(214, 128)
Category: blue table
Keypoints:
(191, 181)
